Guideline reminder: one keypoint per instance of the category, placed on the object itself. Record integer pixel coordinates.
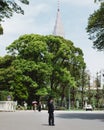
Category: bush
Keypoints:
(60, 108)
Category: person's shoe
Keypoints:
(53, 124)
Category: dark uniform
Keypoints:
(51, 112)
(39, 106)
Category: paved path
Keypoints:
(64, 120)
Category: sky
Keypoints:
(39, 18)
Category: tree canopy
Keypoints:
(41, 66)
(95, 28)
(98, 0)
(7, 9)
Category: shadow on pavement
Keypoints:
(45, 124)
(85, 116)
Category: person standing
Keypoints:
(51, 112)
(39, 106)
(25, 105)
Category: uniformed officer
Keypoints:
(51, 112)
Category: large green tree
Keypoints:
(67, 63)
(31, 66)
(6, 76)
(6, 72)
(7, 9)
(44, 65)
(95, 28)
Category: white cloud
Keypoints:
(25, 23)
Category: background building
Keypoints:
(101, 78)
(58, 28)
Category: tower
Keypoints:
(58, 28)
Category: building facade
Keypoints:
(58, 28)
(101, 79)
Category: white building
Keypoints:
(8, 105)
(101, 79)
(58, 28)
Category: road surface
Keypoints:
(64, 120)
